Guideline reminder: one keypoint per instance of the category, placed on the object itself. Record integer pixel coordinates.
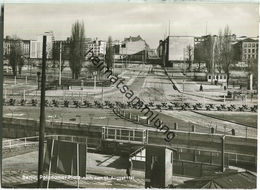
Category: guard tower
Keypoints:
(158, 166)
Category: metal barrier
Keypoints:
(139, 155)
(26, 141)
(124, 134)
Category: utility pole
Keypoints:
(206, 28)
(169, 27)
(60, 64)
(1, 87)
(42, 117)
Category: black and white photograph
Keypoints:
(129, 94)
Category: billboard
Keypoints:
(178, 50)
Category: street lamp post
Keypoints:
(213, 62)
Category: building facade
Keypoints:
(176, 49)
(134, 48)
(24, 45)
(36, 46)
(246, 50)
(249, 49)
(98, 46)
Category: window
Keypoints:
(253, 50)
(209, 76)
(245, 45)
(253, 56)
(244, 50)
(253, 44)
(249, 56)
(249, 45)
(249, 50)
(220, 77)
(224, 76)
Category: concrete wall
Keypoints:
(17, 128)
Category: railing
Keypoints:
(27, 141)
(121, 134)
(139, 155)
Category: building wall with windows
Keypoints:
(133, 45)
(26, 48)
(219, 77)
(34, 49)
(98, 46)
(249, 50)
(36, 46)
(24, 44)
(246, 49)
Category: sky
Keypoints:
(120, 20)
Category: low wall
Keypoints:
(200, 142)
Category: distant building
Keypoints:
(24, 44)
(217, 77)
(246, 49)
(174, 49)
(36, 45)
(98, 46)
(26, 48)
(134, 48)
(34, 49)
(152, 53)
(64, 44)
(199, 39)
(117, 45)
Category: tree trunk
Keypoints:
(199, 66)
(76, 75)
(14, 70)
(20, 70)
(227, 79)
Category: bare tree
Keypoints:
(77, 49)
(15, 57)
(109, 53)
(56, 56)
(198, 55)
(218, 52)
(207, 50)
(189, 50)
(227, 54)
